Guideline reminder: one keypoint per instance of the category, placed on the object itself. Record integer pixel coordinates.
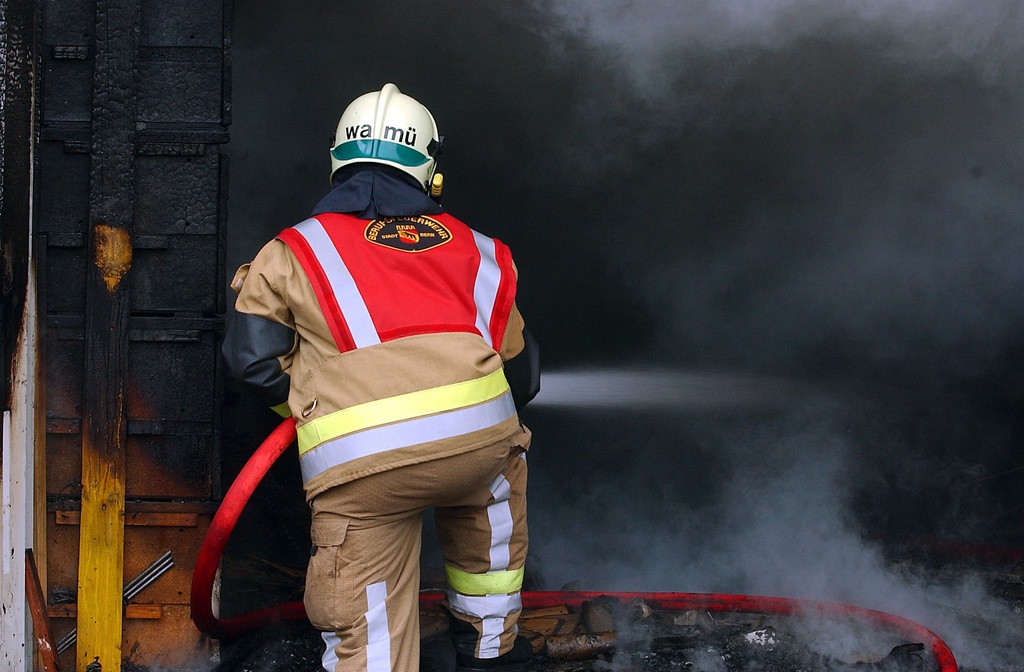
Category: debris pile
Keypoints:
(606, 636)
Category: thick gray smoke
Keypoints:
(758, 504)
(822, 195)
(986, 33)
(816, 176)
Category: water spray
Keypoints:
(666, 389)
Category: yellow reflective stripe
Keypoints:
(491, 583)
(284, 410)
(401, 407)
(383, 438)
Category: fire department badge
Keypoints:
(408, 234)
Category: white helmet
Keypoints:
(387, 127)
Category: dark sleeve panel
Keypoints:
(523, 372)
(252, 346)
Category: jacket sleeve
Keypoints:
(523, 371)
(260, 339)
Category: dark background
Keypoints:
(771, 252)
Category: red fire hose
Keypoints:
(217, 538)
(281, 438)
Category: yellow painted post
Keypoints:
(104, 439)
(104, 413)
(101, 549)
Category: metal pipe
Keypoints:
(148, 576)
(145, 578)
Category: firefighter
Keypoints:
(388, 329)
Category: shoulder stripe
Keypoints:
(364, 333)
(485, 289)
(321, 287)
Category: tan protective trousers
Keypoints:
(363, 579)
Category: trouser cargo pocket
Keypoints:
(325, 572)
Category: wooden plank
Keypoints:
(104, 413)
(162, 519)
(545, 612)
(40, 620)
(101, 555)
(142, 506)
(132, 611)
(140, 518)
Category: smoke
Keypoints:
(764, 507)
(645, 35)
(808, 176)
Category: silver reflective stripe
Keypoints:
(330, 658)
(492, 610)
(485, 289)
(407, 433)
(499, 514)
(378, 639)
(357, 317)
(485, 606)
(490, 639)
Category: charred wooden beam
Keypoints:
(17, 42)
(579, 646)
(104, 421)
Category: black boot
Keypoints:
(513, 661)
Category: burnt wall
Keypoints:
(132, 122)
(178, 198)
